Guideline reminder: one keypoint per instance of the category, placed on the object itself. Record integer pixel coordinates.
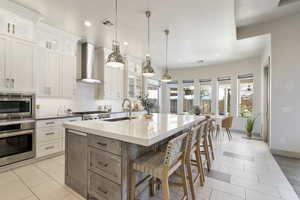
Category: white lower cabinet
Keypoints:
(50, 136)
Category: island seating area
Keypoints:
(107, 168)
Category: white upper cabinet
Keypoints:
(16, 26)
(21, 66)
(16, 64)
(4, 42)
(56, 73)
(68, 69)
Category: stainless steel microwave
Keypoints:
(17, 106)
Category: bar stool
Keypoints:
(162, 165)
(194, 149)
(204, 144)
(210, 131)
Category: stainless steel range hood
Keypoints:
(89, 69)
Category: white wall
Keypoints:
(285, 81)
(232, 69)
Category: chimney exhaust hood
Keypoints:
(89, 69)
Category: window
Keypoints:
(205, 96)
(173, 88)
(246, 91)
(188, 96)
(153, 92)
(224, 95)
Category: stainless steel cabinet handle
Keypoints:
(8, 27)
(48, 123)
(13, 29)
(102, 191)
(13, 83)
(51, 133)
(103, 164)
(102, 144)
(50, 147)
(7, 82)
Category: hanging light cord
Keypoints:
(116, 22)
(148, 14)
(167, 38)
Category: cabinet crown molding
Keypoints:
(20, 10)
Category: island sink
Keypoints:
(119, 119)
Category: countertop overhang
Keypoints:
(138, 131)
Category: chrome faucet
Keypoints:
(129, 107)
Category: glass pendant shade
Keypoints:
(166, 77)
(115, 59)
(148, 71)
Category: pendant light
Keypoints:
(148, 70)
(115, 59)
(166, 76)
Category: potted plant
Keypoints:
(250, 126)
(146, 103)
(196, 110)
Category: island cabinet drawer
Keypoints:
(105, 144)
(105, 164)
(99, 188)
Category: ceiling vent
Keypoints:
(286, 2)
(107, 23)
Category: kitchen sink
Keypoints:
(119, 119)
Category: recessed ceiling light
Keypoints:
(87, 23)
(125, 43)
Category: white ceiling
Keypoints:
(199, 29)
(259, 11)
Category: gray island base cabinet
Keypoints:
(98, 168)
(99, 153)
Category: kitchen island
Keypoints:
(98, 152)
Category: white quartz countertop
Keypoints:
(139, 130)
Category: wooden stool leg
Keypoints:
(185, 184)
(165, 187)
(206, 151)
(132, 184)
(200, 166)
(190, 177)
(211, 146)
(228, 134)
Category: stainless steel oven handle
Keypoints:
(16, 133)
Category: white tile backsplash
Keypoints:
(84, 100)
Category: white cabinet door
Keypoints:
(22, 28)
(22, 67)
(41, 66)
(68, 75)
(4, 23)
(4, 47)
(53, 75)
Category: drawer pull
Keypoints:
(51, 133)
(48, 123)
(50, 147)
(102, 164)
(102, 144)
(102, 191)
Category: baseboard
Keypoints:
(284, 153)
(28, 162)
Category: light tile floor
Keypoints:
(250, 172)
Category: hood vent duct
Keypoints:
(89, 69)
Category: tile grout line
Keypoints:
(25, 185)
